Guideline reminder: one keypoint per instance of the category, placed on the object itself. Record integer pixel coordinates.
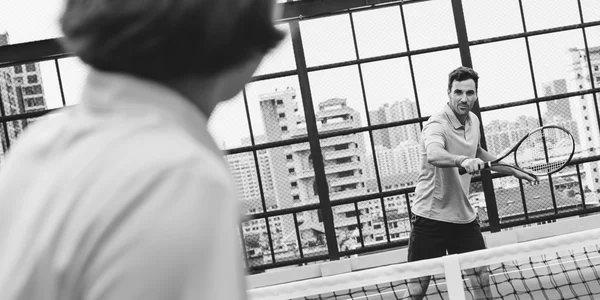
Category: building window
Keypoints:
(344, 160)
(283, 128)
(341, 147)
(32, 90)
(346, 174)
(32, 79)
(350, 214)
(588, 128)
(37, 101)
(18, 69)
(282, 115)
(291, 170)
(597, 68)
(30, 67)
(585, 118)
(294, 184)
(296, 197)
(289, 157)
(590, 139)
(279, 102)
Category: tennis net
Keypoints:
(563, 267)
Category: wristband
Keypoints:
(458, 160)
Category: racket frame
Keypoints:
(513, 151)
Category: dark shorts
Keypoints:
(431, 238)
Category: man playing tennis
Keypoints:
(443, 219)
(126, 195)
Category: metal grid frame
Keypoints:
(301, 10)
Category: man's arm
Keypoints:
(438, 156)
(486, 156)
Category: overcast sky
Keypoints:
(503, 66)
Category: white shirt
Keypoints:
(125, 196)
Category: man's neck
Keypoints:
(461, 119)
(203, 93)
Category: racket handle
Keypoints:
(462, 171)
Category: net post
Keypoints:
(465, 55)
(453, 275)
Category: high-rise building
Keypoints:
(559, 107)
(243, 170)
(21, 91)
(501, 135)
(584, 111)
(293, 171)
(398, 111)
(404, 158)
(559, 110)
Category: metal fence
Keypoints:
(323, 143)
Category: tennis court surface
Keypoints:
(566, 266)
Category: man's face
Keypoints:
(462, 96)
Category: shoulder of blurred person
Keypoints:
(204, 50)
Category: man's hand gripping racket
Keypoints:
(543, 151)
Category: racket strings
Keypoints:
(545, 151)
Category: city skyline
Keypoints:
(395, 89)
(280, 117)
(21, 91)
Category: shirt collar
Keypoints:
(123, 93)
(453, 119)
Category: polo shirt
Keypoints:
(124, 196)
(441, 193)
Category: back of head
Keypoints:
(167, 39)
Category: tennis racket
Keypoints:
(543, 151)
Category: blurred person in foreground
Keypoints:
(444, 222)
(126, 195)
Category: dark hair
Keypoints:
(166, 39)
(462, 74)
